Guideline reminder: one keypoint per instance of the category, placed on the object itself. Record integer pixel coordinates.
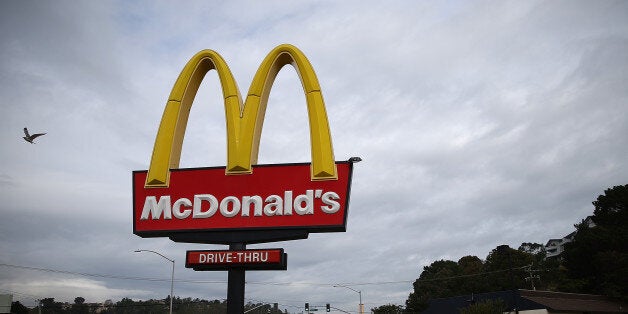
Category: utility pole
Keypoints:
(171, 277)
(531, 275)
(360, 305)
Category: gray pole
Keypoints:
(171, 277)
(360, 310)
(172, 287)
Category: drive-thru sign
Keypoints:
(241, 202)
(258, 259)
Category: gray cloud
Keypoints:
(480, 123)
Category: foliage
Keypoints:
(485, 307)
(506, 268)
(129, 306)
(49, 306)
(595, 262)
(79, 306)
(18, 308)
(535, 249)
(388, 309)
(597, 258)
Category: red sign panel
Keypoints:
(272, 197)
(220, 259)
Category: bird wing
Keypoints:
(37, 135)
(26, 132)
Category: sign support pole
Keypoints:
(235, 285)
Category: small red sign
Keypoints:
(272, 197)
(223, 259)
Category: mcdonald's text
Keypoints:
(230, 206)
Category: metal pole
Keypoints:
(360, 306)
(235, 285)
(171, 277)
(172, 287)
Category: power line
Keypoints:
(254, 282)
(107, 276)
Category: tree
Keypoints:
(49, 306)
(79, 306)
(505, 266)
(447, 278)
(597, 258)
(535, 249)
(18, 308)
(611, 209)
(595, 262)
(435, 281)
(504, 269)
(469, 266)
(388, 309)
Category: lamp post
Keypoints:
(171, 277)
(361, 306)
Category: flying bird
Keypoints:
(29, 138)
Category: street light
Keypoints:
(171, 277)
(361, 309)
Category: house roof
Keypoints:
(523, 300)
(551, 241)
(560, 301)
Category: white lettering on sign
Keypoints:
(207, 205)
(232, 257)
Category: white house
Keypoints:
(555, 247)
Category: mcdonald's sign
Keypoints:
(241, 196)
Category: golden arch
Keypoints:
(244, 122)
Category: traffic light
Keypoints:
(328, 308)
(307, 306)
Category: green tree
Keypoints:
(18, 308)
(505, 268)
(388, 309)
(126, 306)
(470, 266)
(597, 258)
(436, 281)
(49, 306)
(535, 249)
(447, 278)
(79, 306)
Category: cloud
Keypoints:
(479, 124)
(66, 290)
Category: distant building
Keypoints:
(531, 302)
(5, 303)
(555, 247)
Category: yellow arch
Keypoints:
(244, 123)
(323, 165)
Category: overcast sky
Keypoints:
(479, 123)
